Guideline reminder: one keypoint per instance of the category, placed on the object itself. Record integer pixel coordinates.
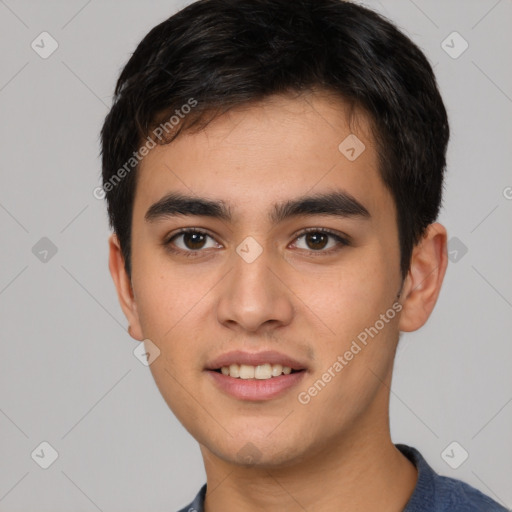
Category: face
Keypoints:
(305, 283)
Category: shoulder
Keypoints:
(457, 495)
(436, 493)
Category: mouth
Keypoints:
(255, 376)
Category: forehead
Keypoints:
(274, 149)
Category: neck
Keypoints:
(358, 470)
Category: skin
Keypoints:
(334, 453)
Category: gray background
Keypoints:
(67, 372)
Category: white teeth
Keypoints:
(234, 370)
(277, 369)
(246, 372)
(261, 372)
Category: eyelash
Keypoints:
(194, 254)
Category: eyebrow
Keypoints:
(337, 203)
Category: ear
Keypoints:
(124, 287)
(423, 282)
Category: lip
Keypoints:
(255, 389)
(254, 359)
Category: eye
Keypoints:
(189, 242)
(317, 239)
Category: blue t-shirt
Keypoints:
(433, 493)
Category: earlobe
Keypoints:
(424, 280)
(124, 287)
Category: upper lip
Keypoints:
(254, 359)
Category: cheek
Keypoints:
(166, 311)
(355, 360)
(163, 295)
(155, 307)
(169, 304)
(350, 298)
(351, 306)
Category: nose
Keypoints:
(254, 296)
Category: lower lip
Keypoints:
(256, 389)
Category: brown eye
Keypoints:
(189, 242)
(193, 240)
(321, 241)
(316, 241)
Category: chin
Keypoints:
(259, 451)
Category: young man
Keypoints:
(273, 172)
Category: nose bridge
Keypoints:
(251, 267)
(252, 295)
